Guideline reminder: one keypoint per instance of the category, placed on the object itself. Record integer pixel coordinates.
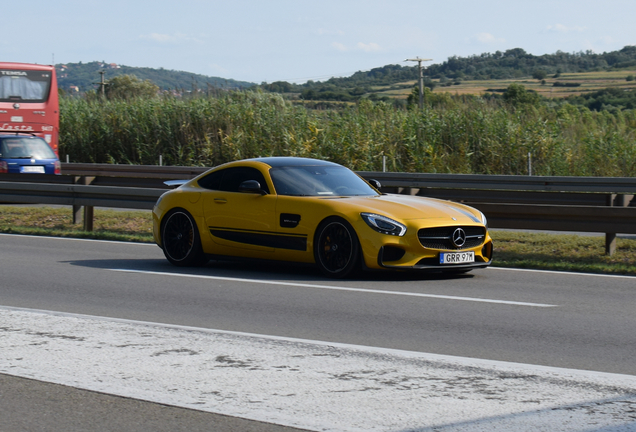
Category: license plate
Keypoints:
(456, 257)
(33, 169)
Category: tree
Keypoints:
(278, 87)
(539, 74)
(516, 94)
(130, 87)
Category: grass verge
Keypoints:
(512, 249)
(564, 252)
(133, 226)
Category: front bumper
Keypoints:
(410, 253)
(432, 264)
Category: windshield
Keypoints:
(319, 181)
(25, 148)
(31, 86)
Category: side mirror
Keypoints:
(251, 186)
(376, 184)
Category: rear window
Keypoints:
(27, 86)
(25, 148)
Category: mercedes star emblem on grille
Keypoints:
(459, 237)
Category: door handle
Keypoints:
(220, 200)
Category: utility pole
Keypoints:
(421, 74)
(102, 84)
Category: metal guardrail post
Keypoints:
(610, 238)
(76, 209)
(88, 213)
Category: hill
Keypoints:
(551, 75)
(83, 76)
(393, 81)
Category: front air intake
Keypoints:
(452, 237)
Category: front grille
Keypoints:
(442, 237)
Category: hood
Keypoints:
(407, 207)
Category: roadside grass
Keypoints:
(133, 226)
(562, 252)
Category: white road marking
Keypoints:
(121, 242)
(558, 272)
(492, 267)
(318, 386)
(335, 288)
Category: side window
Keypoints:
(233, 177)
(212, 180)
(230, 179)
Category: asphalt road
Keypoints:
(28, 405)
(552, 319)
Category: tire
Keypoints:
(336, 248)
(180, 239)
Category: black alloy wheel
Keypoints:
(180, 239)
(336, 248)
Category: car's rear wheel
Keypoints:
(336, 248)
(180, 239)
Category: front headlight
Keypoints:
(383, 224)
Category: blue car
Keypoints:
(25, 154)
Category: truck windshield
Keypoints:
(27, 86)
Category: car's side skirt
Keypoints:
(262, 238)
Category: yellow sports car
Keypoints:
(313, 211)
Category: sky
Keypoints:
(298, 40)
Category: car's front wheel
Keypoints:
(180, 239)
(336, 248)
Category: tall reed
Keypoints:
(467, 135)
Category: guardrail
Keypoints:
(587, 204)
(622, 185)
(80, 195)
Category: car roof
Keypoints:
(285, 161)
(19, 134)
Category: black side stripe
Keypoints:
(262, 238)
